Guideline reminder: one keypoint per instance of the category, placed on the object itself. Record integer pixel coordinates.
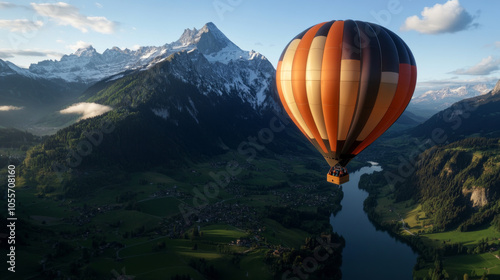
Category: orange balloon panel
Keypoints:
(344, 83)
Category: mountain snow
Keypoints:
(8, 68)
(86, 65)
(445, 97)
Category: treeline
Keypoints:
(208, 271)
(304, 220)
(14, 138)
(320, 257)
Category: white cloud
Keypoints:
(78, 45)
(66, 14)
(449, 17)
(8, 53)
(87, 110)
(98, 5)
(485, 67)
(20, 25)
(9, 108)
(497, 44)
(7, 5)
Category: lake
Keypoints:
(369, 253)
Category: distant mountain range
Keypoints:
(87, 66)
(433, 101)
(476, 116)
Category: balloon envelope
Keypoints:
(344, 83)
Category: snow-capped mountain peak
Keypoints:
(212, 43)
(208, 39)
(87, 51)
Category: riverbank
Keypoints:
(375, 251)
(452, 253)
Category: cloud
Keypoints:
(485, 67)
(79, 45)
(8, 5)
(20, 25)
(98, 5)
(87, 110)
(497, 44)
(66, 14)
(449, 17)
(8, 53)
(10, 108)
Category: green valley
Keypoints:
(163, 223)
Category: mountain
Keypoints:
(433, 101)
(476, 116)
(88, 66)
(207, 98)
(252, 81)
(49, 86)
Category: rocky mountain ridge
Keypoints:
(88, 66)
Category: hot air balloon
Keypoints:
(344, 83)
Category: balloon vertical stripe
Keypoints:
(299, 69)
(370, 60)
(330, 81)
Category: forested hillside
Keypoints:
(457, 184)
(14, 138)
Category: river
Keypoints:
(369, 253)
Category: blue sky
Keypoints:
(454, 42)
